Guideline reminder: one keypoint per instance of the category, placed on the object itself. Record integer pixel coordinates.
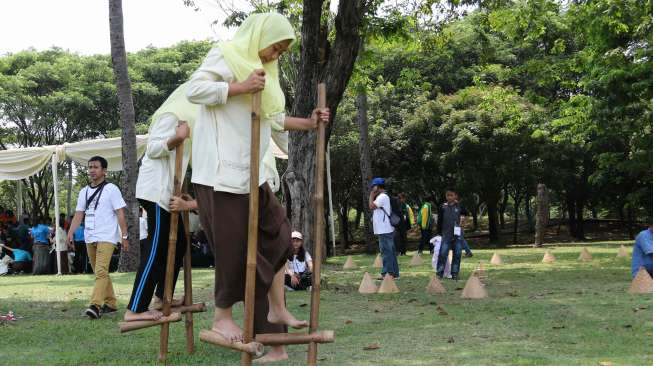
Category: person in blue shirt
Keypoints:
(41, 235)
(22, 259)
(643, 250)
(81, 257)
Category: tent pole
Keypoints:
(55, 186)
(19, 200)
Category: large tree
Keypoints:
(328, 60)
(128, 259)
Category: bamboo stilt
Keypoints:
(188, 289)
(252, 230)
(320, 150)
(170, 264)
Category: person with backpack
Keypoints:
(384, 221)
(425, 224)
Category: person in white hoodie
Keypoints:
(223, 86)
(171, 126)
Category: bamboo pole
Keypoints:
(278, 339)
(199, 307)
(170, 264)
(140, 324)
(188, 289)
(319, 225)
(252, 230)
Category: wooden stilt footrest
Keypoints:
(140, 324)
(278, 339)
(253, 348)
(193, 308)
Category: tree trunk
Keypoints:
(515, 224)
(359, 215)
(529, 213)
(366, 169)
(502, 209)
(571, 210)
(335, 74)
(128, 260)
(493, 220)
(580, 227)
(542, 215)
(631, 221)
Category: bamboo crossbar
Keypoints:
(251, 348)
(199, 307)
(141, 324)
(280, 339)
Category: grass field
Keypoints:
(567, 313)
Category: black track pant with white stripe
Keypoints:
(154, 253)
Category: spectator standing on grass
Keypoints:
(41, 237)
(643, 250)
(450, 221)
(379, 202)
(81, 256)
(407, 221)
(101, 206)
(425, 224)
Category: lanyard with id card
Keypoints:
(89, 220)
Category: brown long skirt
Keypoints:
(224, 218)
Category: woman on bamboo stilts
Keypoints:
(223, 87)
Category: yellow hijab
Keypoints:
(257, 32)
(178, 104)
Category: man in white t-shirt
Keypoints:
(101, 206)
(379, 202)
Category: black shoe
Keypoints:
(469, 255)
(93, 312)
(454, 277)
(107, 310)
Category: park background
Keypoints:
(492, 97)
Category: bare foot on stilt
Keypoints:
(277, 353)
(283, 316)
(157, 304)
(131, 316)
(223, 324)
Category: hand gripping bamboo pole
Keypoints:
(170, 264)
(320, 147)
(252, 230)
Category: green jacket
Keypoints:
(424, 220)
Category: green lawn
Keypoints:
(568, 313)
